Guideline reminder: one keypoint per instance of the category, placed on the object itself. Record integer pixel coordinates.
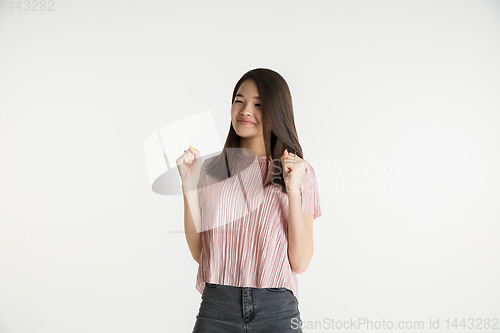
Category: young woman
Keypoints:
(248, 217)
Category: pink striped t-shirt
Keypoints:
(245, 226)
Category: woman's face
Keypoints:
(246, 105)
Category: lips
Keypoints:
(245, 122)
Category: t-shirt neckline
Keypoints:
(261, 158)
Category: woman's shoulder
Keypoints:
(309, 167)
(208, 160)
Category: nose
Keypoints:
(245, 112)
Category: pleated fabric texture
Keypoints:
(245, 226)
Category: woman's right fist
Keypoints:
(189, 166)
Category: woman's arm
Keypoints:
(300, 238)
(300, 225)
(192, 222)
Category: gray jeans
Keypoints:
(246, 309)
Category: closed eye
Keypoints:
(242, 102)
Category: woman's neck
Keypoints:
(254, 143)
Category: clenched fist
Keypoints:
(189, 166)
(293, 170)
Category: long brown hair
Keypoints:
(278, 127)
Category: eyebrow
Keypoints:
(240, 95)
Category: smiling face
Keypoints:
(246, 105)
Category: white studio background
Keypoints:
(405, 94)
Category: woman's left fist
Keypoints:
(293, 170)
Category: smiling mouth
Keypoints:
(245, 122)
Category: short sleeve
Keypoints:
(310, 192)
